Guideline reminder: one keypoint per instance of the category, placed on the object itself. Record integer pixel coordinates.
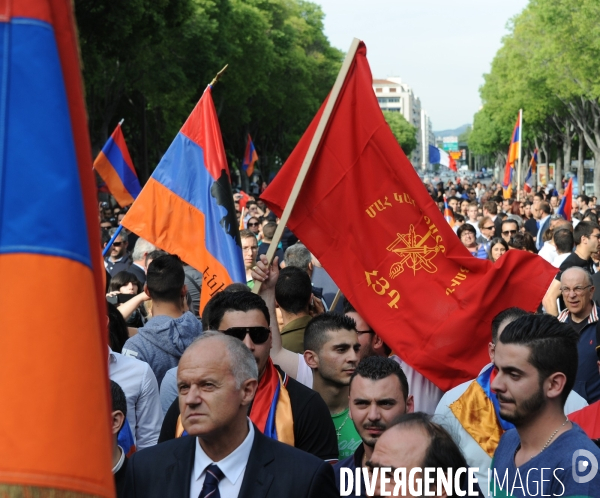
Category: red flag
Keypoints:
(452, 165)
(566, 203)
(390, 250)
(244, 199)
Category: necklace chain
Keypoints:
(338, 431)
(554, 434)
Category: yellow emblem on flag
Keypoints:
(413, 252)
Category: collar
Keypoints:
(358, 455)
(593, 318)
(119, 464)
(139, 266)
(233, 465)
(543, 220)
(112, 356)
(296, 324)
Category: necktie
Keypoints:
(210, 488)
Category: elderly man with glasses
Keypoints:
(577, 289)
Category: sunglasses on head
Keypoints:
(258, 335)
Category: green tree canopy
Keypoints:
(405, 133)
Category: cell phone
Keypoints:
(123, 298)
(112, 300)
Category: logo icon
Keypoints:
(414, 253)
(579, 466)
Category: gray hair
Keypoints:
(298, 255)
(124, 233)
(517, 218)
(242, 361)
(142, 247)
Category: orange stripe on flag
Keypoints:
(53, 363)
(111, 178)
(158, 225)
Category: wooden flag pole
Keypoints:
(219, 74)
(520, 142)
(312, 149)
(335, 301)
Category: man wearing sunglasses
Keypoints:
(577, 289)
(283, 409)
(510, 228)
(118, 258)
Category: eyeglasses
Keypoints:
(511, 232)
(258, 335)
(576, 290)
(117, 244)
(253, 224)
(491, 227)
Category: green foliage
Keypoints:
(405, 133)
(149, 61)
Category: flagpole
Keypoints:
(520, 142)
(312, 149)
(110, 242)
(219, 74)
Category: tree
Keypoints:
(405, 133)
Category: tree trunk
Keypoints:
(567, 145)
(580, 158)
(558, 170)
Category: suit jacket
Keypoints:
(139, 273)
(274, 470)
(539, 241)
(498, 225)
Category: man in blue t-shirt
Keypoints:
(546, 455)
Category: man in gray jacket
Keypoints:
(164, 338)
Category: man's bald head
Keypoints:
(575, 272)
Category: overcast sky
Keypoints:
(440, 48)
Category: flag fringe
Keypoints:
(20, 491)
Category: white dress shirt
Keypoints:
(138, 382)
(232, 466)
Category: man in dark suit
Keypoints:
(225, 456)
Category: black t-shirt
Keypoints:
(578, 326)
(574, 260)
(314, 431)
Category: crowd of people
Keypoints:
(285, 393)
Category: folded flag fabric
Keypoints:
(55, 431)
(441, 157)
(186, 207)
(530, 172)
(405, 263)
(566, 204)
(513, 154)
(250, 157)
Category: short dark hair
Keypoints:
(509, 220)
(523, 241)
(222, 302)
(552, 344)
(165, 278)
(510, 315)
(237, 287)
(119, 401)
(584, 198)
(584, 229)
(545, 207)
(442, 452)
(293, 290)
(316, 332)
(467, 227)
(563, 240)
(269, 230)
(380, 367)
(123, 278)
(118, 333)
(151, 256)
(348, 308)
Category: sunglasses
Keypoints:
(490, 227)
(512, 232)
(117, 244)
(258, 335)
(252, 224)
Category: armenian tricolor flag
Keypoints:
(566, 204)
(186, 207)
(513, 155)
(49, 247)
(530, 171)
(115, 167)
(448, 214)
(250, 157)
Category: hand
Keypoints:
(266, 274)
(113, 293)
(316, 306)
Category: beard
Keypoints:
(524, 410)
(369, 440)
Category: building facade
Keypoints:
(395, 96)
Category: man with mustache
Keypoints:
(378, 395)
